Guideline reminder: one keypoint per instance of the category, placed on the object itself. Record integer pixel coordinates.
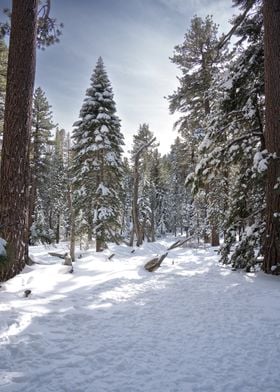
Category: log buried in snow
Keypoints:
(60, 255)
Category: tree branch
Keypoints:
(238, 22)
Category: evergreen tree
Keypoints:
(97, 164)
(126, 198)
(232, 158)
(199, 61)
(14, 188)
(58, 211)
(143, 141)
(42, 124)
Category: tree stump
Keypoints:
(155, 263)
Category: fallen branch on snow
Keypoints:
(179, 243)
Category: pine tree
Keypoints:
(141, 154)
(42, 124)
(126, 199)
(199, 61)
(16, 136)
(58, 211)
(177, 189)
(97, 164)
(232, 155)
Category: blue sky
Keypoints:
(135, 39)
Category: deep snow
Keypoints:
(191, 326)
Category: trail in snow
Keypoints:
(114, 327)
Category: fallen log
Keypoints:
(174, 245)
(179, 243)
(60, 255)
(155, 263)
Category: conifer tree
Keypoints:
(14, 212)
(97, 165)
(126, 199)
(143, 141)
(199, 61)
(232, 156)
(42, 124)
(58, 211)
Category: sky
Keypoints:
(135, 38)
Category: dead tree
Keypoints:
(179, 243)
(136, 229)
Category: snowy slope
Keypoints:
(114, 327)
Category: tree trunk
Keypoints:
(57, 231)
(72, 225)
(215, 240)
(14, 205)
(153, 235)
(272, 133)
(135, 214)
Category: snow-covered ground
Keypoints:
(111, 326)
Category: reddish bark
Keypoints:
(272, 133)
(14, 206)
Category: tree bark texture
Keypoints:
(215, 240)
(135, 211)
(14, 178)
(72, 222)
(271, 9)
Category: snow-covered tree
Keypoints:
(126, 199)
(199, 60)
(142, 214)
(232, 155)
(42, 124)
(97, 164)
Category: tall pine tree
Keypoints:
(42, 124)
(97, 164)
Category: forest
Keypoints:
(213, 200)
(219, 181)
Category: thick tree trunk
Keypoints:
(135, 213)
(99, 245)
(57, 230)
(215, 240)
(72, 222)
(272, 133)
(153, 234)
(14, 203)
